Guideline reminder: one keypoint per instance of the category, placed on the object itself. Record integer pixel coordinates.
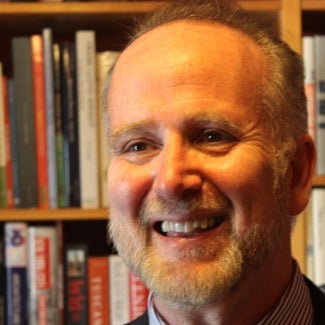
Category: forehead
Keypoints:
(174, 43)
(182, 60)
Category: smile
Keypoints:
(188, 227)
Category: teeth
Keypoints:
(188, 226)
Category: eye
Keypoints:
(136, 147)
(139, 151)
(214, 136)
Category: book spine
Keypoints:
(87, 114)
(59, 140)
(24, 105)
(105, 61)
(320, 100)
(40, 120)
(76, 285)
(42, 276)
(3, 281)
(16, 272)
(119, 291)
(310, 82)
(70, 122)
(9, 175)
(3, 177)
(98, 290)
(13, 143)
(60, 272)
(50, 115)
(318, 215)
(138, 296)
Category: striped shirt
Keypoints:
(293, 307)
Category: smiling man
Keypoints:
(210, 162)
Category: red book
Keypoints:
(76, 287)
(10, 195)
(98, 279)
(138, 296)
(40, 120)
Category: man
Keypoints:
(210, 162)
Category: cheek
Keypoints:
(249, 186)
(127, 185)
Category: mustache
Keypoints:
(160, 206)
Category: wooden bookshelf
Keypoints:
(111, 20)
(53, 215)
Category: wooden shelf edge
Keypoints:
(109, 7)
(86, 8)
(53, 215)
(319, 180)
(318, 5)
(271, 5)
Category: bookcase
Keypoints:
(111, 20)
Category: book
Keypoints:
(87, 118)
(98, 288)
(3, 281)
(60, 272)
(7, 130)
(104, 63)
(50, 116)
(76, 295)
(320, 102)
(40, 120)
(138, 296)
(16, 272)
(118, 291)
(59, 139)
(70, 122)
(308, 54)
(318, 224)
(3, 176)
(13, 143)
(25, 125)
(42, 275)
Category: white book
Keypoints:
(16, 263)
(42, 275)
(318, 217)
(105, 62)
(308, 53)
(3, 159)
(50, 116)
(320, 102)
(119, 291)
(87, 118)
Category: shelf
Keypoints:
(319, 181)
(56, 214)
(318, 5)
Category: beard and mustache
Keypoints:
(204, 274)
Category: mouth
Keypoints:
(187, 228)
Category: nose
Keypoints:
(177, 172)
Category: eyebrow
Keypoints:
(133, 127)
(191, 120)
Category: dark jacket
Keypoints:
(317, 298)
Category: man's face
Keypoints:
(191, 177)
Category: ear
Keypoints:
(302, 172)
